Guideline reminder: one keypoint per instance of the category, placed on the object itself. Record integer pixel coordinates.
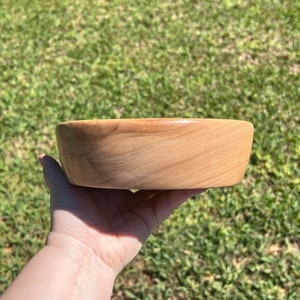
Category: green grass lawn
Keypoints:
(62, 60)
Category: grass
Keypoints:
(65, 60)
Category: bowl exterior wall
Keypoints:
(155, 153)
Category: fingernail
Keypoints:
(40, 158)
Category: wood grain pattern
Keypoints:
(155, 153)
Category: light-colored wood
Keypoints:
(155, 153)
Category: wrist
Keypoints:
(78, 252)
(64, 269)
(81, 259)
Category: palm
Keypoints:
(106, 219)
(114, 223)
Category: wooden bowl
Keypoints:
(155, 153)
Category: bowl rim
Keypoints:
(149, 121)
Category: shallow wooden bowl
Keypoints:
(155, 153)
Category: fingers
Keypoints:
(148, 194)
(165, 202)
(154, 210)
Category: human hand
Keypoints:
(113, 224)
(94, 234)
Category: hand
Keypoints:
(112, 223)
(94, 234)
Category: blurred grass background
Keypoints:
(62, 60)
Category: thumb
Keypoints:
(54, 176)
